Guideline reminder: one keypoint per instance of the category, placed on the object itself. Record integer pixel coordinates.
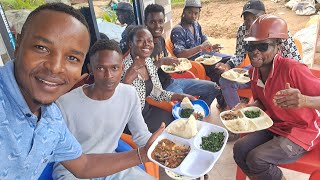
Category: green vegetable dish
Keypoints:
(186, 113)
(170, 68)
(207, 56)
(252, 114)
(213, 142)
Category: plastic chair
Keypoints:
(198, 70)
(169, 46)
(309, 163)
(151, 168)
(299, 46)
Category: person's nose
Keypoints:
(108, 74)
(55, 63)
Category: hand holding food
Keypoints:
(169, 61)
(290, 98)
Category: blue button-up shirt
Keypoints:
(183, 38)
(26, 144)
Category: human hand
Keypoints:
(239, 106)
(289, 98)
(169, 61)
(144, 150)
(216, 47)
(179, 97)
(206, 46)
(223, 67)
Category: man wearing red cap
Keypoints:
(287, 91)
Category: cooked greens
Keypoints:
(252, 114)
(170, 68)
(246, 75)
(186, 113)
(213, 142)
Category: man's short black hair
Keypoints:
(153, 8)
(104, 44)
(60, 7)
(134, 31)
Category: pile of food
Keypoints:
(184, 65)
(184, 128)
(234, 121)
(208, 59)
(240, 71)
(169, 154)
(231, 74)
(187, 110)
(252, 114)
(213, 142)
(232, 115)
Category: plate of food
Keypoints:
(246, 120)
(176, 176)
(237, 74)
(184, 65)
(208, 59)
(181, 154)
(184, 109)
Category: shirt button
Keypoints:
(28, 115)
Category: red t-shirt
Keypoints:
(300, 125)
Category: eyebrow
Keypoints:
(77, 52)
(45, 40)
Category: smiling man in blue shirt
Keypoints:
(50, 53)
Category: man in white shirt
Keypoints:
(97, 114)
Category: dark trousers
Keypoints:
(259, 153)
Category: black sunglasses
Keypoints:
(262, 47)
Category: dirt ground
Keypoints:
(220, 19)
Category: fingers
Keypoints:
(192, 97)
(288, 104)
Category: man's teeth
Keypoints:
(49, 83)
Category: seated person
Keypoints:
(296, 119)
(251, 11)
(207, 90)
(189, 41)
(48, 64)
(140, 72)
(97, 114)
(125, 15)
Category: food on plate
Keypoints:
(198, 115)
(186, 103)
(213, 142)
(207, 59)
(252, 114)
(240, 71)
(169, 154)
(186, 113)
(184, 128)
(238, 125)
(169, 68)
(246, 75)
(231, 74)
(186, 108)
(206, 56)
(231, 115)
